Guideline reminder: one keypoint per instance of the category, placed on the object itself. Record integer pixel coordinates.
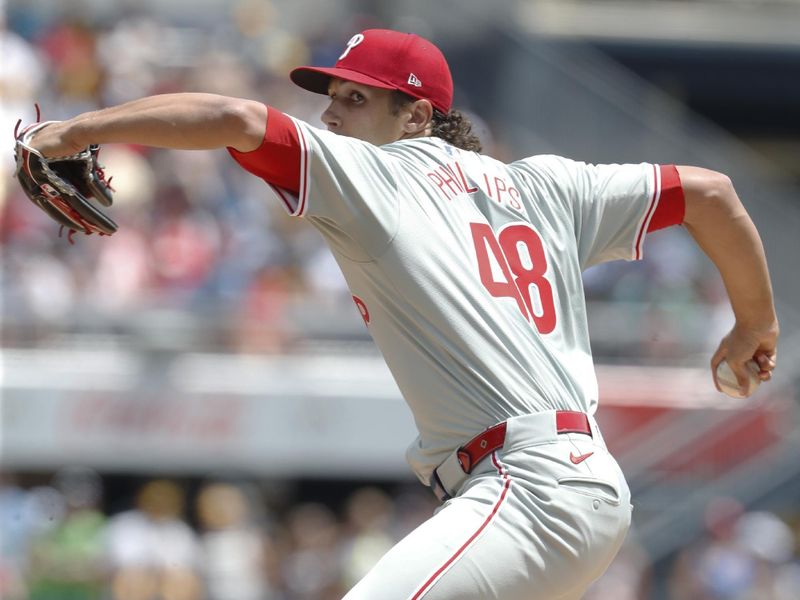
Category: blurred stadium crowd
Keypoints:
(195, 233)
(198, 235)
(227, 540)
(59, 544)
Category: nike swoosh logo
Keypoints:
(576, 460)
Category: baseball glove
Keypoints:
(65, 187)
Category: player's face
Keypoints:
(363, 112)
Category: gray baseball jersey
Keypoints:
(466, 270)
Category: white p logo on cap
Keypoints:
(354, 41)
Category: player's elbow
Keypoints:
(708, 194)
(247, 121)
(718, 187)
(704, 184)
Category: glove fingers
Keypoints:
(92, 218)
(99, 188)
(83, 175)
(61, 216)
(50, 203)
(98, 191)
(74, 213)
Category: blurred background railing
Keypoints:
(202, 378)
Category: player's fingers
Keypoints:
(766, 359)
(715, 362)
(719, 355)
(742, 375)
(766, 364)
(742, 367)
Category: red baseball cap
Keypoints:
(390, 60)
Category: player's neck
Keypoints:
(419, 134)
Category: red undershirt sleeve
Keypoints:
(671, 204)
(277, 159)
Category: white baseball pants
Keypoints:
(539, 519)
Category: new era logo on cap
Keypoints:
(390, 60)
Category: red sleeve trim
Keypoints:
(648, 215)
(672, 204)
(666, 207)
(303, 174)
(278, 159)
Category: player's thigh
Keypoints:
(420, 562)
(482, 545)
(545, 542)
(506, 537)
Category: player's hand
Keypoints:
(54, 140)
(744, 343)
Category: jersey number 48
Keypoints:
(512, 264)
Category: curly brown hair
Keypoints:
(453, 127)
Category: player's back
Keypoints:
(476, 300)
(467, 271)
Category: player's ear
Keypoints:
(420, 113)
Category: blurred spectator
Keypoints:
(113, 290)
(771, 543)
(21, 78)
(264, 305)
(73, 64)
(14, 538)
(628, 577)
(368, 520)
(66, 561)
(787, 582)
(746, 556)
(412, 505)
(714, 567)
(152, 551)
(131, 54)
(311, 563)
(47, 287)
(236, 552)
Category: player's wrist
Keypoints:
(758, 326)
(77, 133)
(54, 140)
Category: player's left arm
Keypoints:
(719, 223)
(184, 121)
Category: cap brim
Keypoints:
(316, 79)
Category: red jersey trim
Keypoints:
(672, 206)
(651, 207)
(303, 171)
(425, 588)
(280, 159)
(289, 201)
(667, 205)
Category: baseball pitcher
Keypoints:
(467, 273)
